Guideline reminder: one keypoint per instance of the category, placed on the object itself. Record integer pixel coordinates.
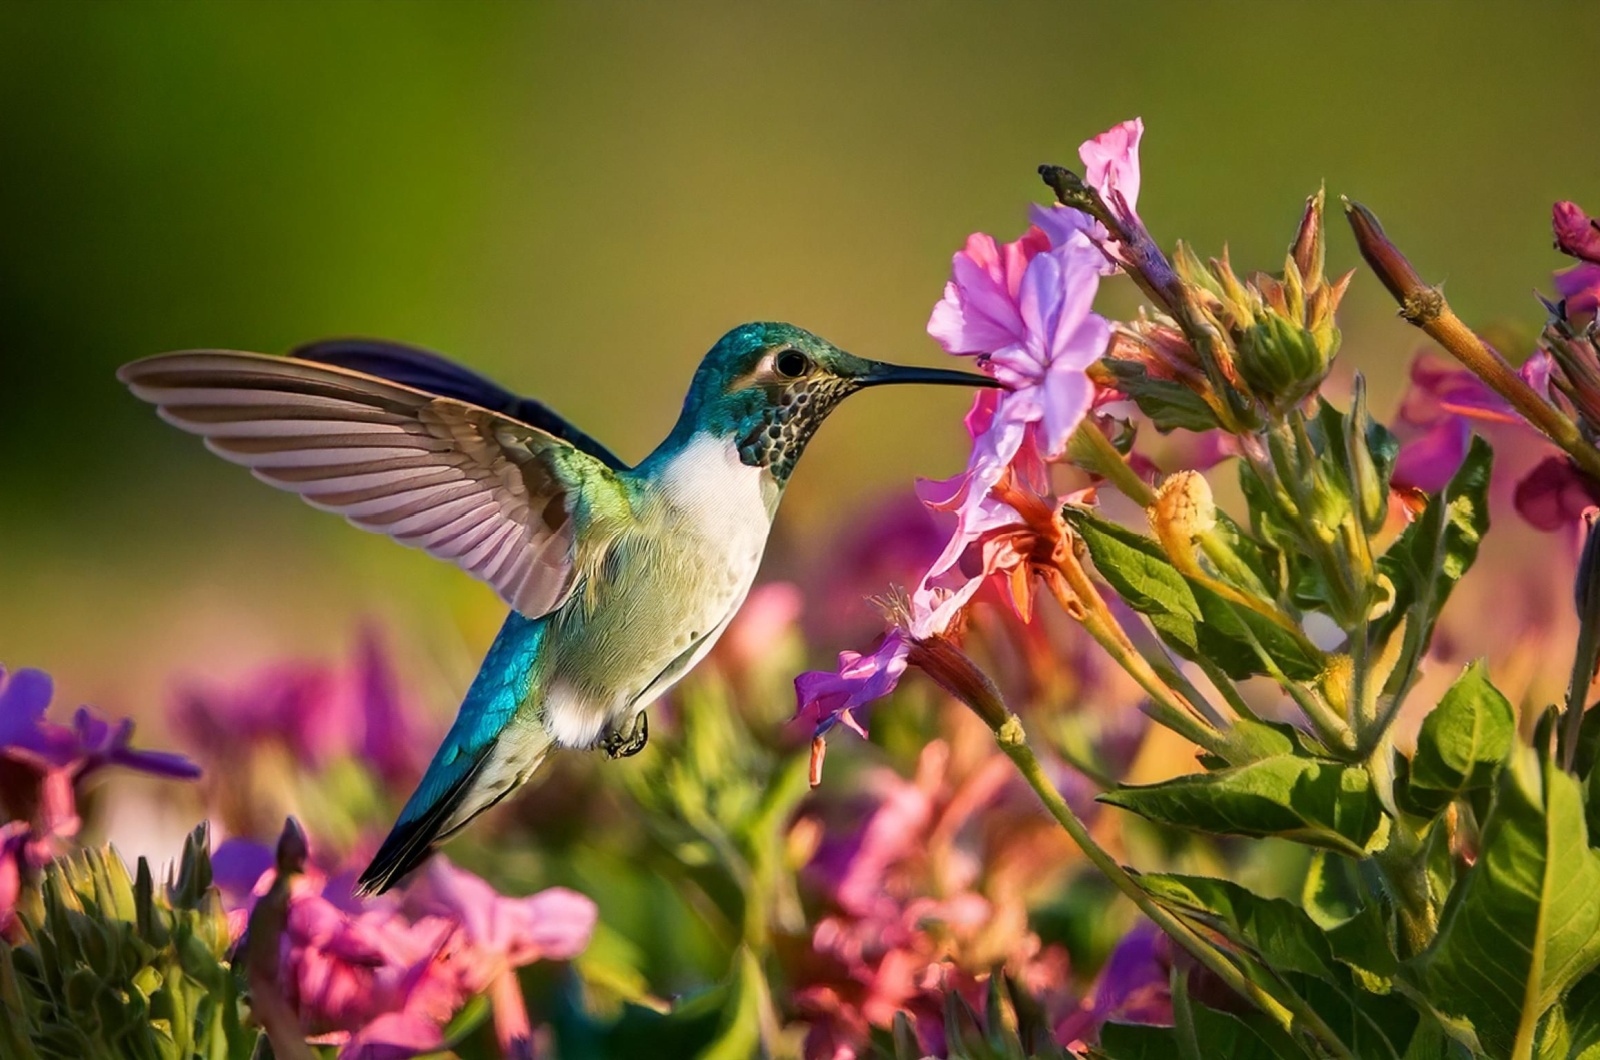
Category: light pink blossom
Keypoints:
(1110, 167)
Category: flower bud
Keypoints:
(1577, 234)
(1282, 329)
(1369, 487)
(1183, 510)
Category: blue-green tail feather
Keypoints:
(452, 790)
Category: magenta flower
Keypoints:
(1577, 234)
(380, 977)
(1579, 286)
(318, 713)
(1444, 404)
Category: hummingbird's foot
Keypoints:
(619, 744)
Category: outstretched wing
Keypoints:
(501, 499)
(424, 370)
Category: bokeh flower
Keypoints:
(380, 977)
(926, 889)
(317, 713)
(1445, 403)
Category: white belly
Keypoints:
(715, 512)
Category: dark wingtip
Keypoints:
(406, 847)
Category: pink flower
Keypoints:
(769, 614)
(1035, 333)
(380, 977)
(923, 881)
(1577, 234)
(498, 935)
(1023, 310)
(1111, 167)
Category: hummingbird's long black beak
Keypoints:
(881, 374)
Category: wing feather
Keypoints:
(493, 495)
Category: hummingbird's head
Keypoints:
(770, 386)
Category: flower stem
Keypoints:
(1424, 306)
(1079, 598)
(1090, 449)
(1287, 1013)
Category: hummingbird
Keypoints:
(620, 579)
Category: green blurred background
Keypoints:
(580, 198)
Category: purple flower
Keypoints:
(100, 743)
(394, 1036)
(24, 732)
(1579, 286)
(1577, 234)
(1133, 987)
(828, 698)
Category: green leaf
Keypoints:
(1169, 405)
(1221, 1034)
(1135, 567)
(1195, 621)
(1348, 995)
(1323, 804)
(1462, 743)
(1278, 930)
(1582, 1009)
(1433, 553)
(1524, 923)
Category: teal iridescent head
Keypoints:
(769, 386)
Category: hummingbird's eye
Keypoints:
(792, 364)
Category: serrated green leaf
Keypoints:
(1194, 621)
(1135, 567)
(1524, 923)
(1463, 742)
(1323, 804)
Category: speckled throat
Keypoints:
(789, 420)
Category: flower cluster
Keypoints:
(1023, 310)
(928, 896)
(381, 977)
